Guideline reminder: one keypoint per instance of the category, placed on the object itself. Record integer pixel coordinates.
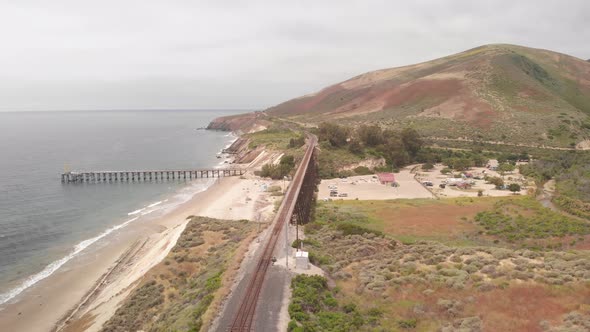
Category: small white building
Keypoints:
(302, 260)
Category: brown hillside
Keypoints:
(493, 92)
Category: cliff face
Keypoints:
(239, 123)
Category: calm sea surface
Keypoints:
(44, 223)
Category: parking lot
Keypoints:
(476, 182)
(367, 187)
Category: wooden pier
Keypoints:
(145, 176)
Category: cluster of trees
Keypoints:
(499, 183)
(397, 147)
(571, 170)
(296, 142)
(282, 169)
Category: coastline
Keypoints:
(116, 259)
(129, 255)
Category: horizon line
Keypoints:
(129, 110)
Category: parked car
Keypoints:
(343, 195)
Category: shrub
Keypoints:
(296, 142)
(514, 187)
(277, 172)
(496, 181)
(427, 166)
(362, 170)
(349, 307)
(292, 325)
(352, 229)
(408, 323)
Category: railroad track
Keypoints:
(244, 318)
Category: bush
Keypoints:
(292, 325)
(362, 170)
(505, 220)
(514, 187)
(352, 229)
(427, 166)
(314, 307)
(496, 181)
(296, 142)
(408, 323)
(277, 172)
(349, 307)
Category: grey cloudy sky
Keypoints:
(124, 54)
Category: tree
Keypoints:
(412, 141)
(427, 166)
(496, 181)
(355, 147)
(514, 187)
(479, 161)
(458, 164)
(277, 172)
(395, 153)
(287, 160)
(506, 167)
(333, 133)
(370, 135)
(296, 142)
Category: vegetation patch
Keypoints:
(517, 220)
(316, 307)
(571, 171)
(279, 171)
(431, 286)
(176, 294)
(277, 138)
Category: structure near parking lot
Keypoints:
(386, 178)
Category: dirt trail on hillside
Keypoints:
(580, 147)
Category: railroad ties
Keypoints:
(147, 176)
(303, 183)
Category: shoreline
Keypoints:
(112, 274)
(70, 287)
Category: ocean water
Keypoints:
(44, 223)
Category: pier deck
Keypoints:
(147, 175)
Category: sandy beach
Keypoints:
(92, 285)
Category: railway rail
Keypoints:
(244, 319)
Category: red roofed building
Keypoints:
(386, 178)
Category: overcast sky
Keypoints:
(123, 54)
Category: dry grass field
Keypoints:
(427, 265)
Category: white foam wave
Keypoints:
(154, 204)
(51, 268)
(187, 193)
(135, 212)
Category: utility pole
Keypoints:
(287, 244)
